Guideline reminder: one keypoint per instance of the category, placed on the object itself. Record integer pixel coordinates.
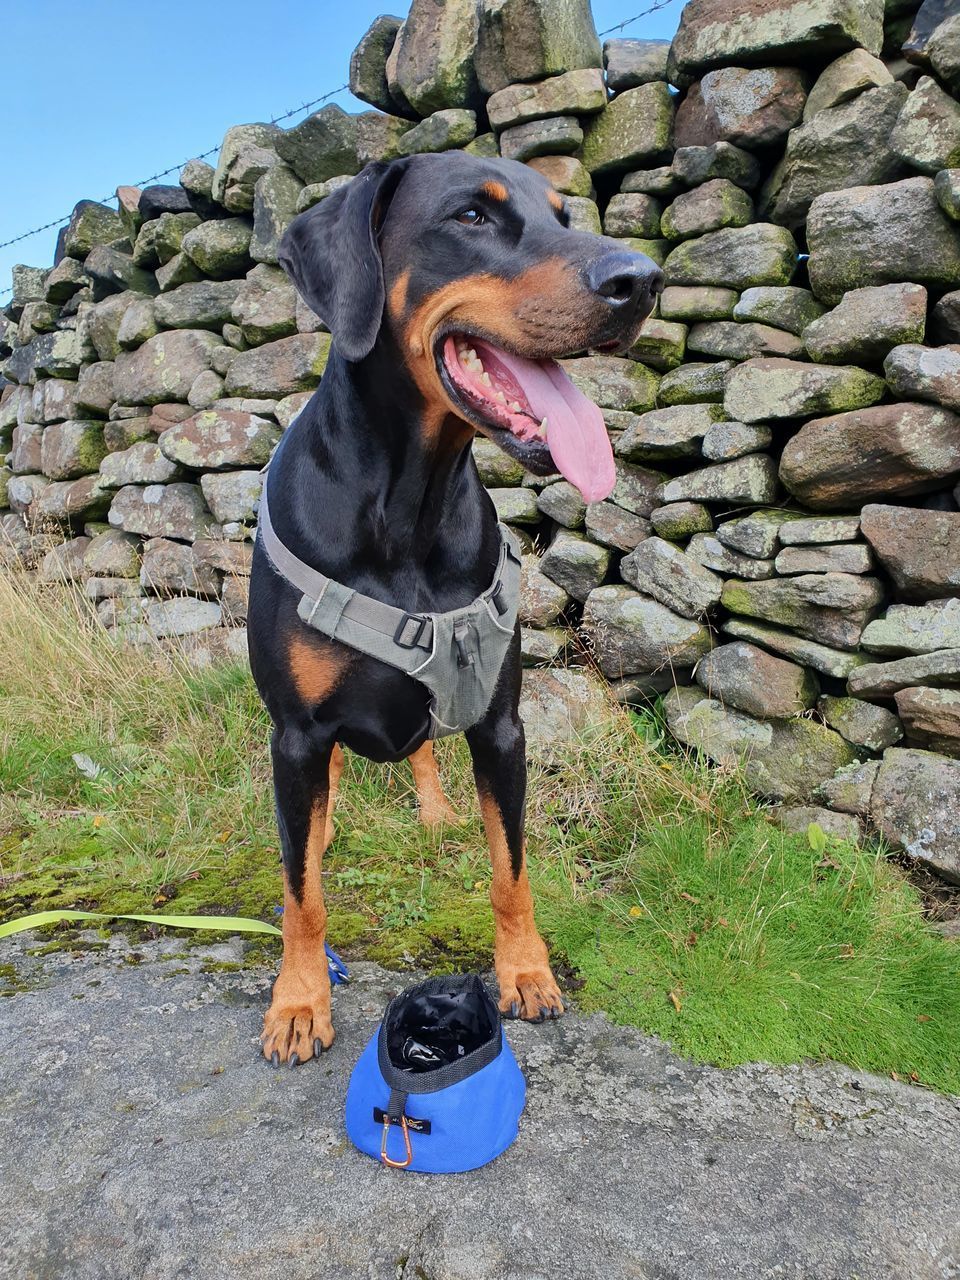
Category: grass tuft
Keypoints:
(130, 780)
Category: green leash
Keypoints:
(230, 924)
(221, 924)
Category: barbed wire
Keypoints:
(174, 168)
(654, 8)
(285, 115)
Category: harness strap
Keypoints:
(341, 604)
(408, 631)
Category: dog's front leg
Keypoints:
(306, 770)
(528, 988)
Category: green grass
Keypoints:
(667, 897)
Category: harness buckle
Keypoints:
(496, 595)
(421, 622)
(464, 658)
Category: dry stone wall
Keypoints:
(781, 555)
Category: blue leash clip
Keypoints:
(338, 971)
(335, 967)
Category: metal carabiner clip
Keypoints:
(396, 1164)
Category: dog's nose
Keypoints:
(626, 281)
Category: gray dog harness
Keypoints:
(456, 655)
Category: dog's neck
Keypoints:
(365, 482)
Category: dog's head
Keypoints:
(470, 269)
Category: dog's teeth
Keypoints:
(542, 430)
(514, 406)
(485, 379)
(500, 397)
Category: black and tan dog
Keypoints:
(450, 284)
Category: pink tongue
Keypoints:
(576, 432)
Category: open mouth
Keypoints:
(532, 410)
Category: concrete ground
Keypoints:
(142, 1136)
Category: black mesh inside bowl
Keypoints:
(439, 1023)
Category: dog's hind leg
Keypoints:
(335, 771)
(528, 988)
(306, 769)
(435, 808)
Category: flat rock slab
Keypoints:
(145, 1136)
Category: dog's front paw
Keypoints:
(531, 994)
(297, 1026)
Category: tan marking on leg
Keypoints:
(435, 808)
(556, 200)
(317, 666)
(298, 1021)
(336, 769)
(520, 955)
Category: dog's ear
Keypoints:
(331, 253)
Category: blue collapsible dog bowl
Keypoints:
(437, 1088)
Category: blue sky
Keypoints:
(110, 92)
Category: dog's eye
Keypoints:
(471, 218)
